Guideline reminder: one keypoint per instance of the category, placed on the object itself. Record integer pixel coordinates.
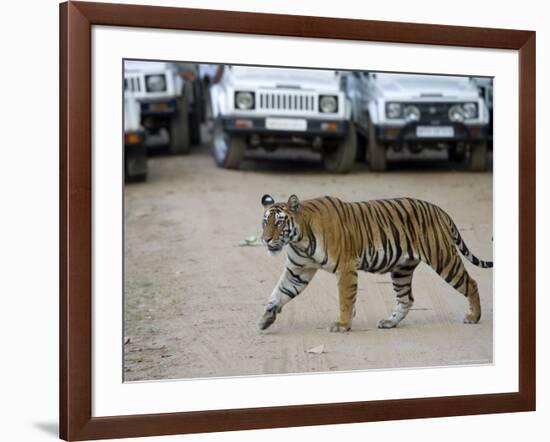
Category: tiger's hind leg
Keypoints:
(402, 284)
(455, 274)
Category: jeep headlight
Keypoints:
(463, 111)
(394, 110)
(470, 110)
(456, 113)
(328, 104)
(244, 100)
(411, 113)
(155, 83)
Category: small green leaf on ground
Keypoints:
(250, 241)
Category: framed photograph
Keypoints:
(246, 197)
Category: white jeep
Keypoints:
(255, 107)
(416, 112)
(135, 154)
(166, 104)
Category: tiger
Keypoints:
(377, 236)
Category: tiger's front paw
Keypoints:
(268, 317)
(339, 327)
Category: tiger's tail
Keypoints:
(461, 245)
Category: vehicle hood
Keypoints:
(398, 86)
(146, 66)
(272, 78)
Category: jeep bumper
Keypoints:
(422, 132)
(285, 127)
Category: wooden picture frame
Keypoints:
(76, 21)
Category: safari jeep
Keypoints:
(166, 105)
(135, 155)
(416, 112)
(269, 108)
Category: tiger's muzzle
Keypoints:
(273, 247)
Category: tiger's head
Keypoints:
(279, 223)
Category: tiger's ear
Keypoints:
(267, 200)
(293, 203)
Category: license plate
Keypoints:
(435, 131)
(158, 106)
(293, 124)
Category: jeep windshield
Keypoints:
(424, 85)
(282, 73)
(417, 78)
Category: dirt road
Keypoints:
(192, 295)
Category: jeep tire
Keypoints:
(376, 151)
(478, 160)
(196, 113)
(228, 150)
(135, 163)
(195, 127)
(179, 129)
(341, 158)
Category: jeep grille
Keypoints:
(287, 101)
(132, 83)
(434, 112)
